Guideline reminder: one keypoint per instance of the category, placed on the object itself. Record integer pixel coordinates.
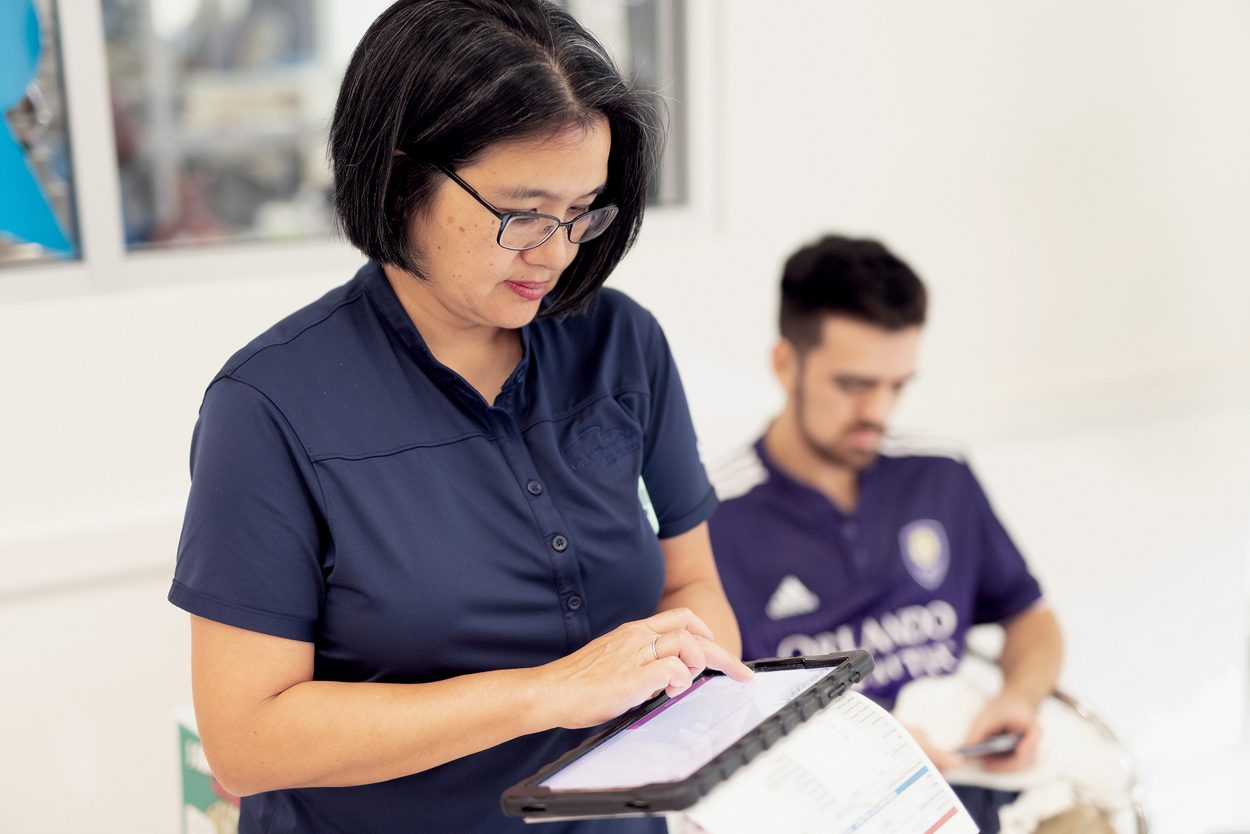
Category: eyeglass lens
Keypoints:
(526, 231)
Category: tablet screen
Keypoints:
(681, 735)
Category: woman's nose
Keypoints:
(555, 253)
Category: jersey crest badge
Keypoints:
(926, 552)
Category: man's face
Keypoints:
(842, 391)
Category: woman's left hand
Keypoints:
(626, 666)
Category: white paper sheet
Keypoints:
(850, 769)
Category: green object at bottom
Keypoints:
(205, 808)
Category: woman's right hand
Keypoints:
(629, 664)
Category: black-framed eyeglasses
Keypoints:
(521, 230)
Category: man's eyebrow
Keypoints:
(530, 193)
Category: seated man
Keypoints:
(827, 543)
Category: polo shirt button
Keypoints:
(574, 602)
(534, 488)
(559, 543)
(849, 529)
(861, 558)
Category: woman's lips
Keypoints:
(528, 290)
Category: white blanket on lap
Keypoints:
(1076, 763)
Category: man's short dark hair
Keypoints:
(441, 81)
(854, 277)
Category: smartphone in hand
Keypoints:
(998, 745)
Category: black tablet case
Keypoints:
(528, 799)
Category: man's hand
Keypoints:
(1006, 713)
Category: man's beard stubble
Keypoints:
(830, 453)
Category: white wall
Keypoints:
(1072, 182)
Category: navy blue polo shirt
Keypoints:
(920, 560)
(350, 491)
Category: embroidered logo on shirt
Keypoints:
(598, 446)
(791, 599)
(926, 552)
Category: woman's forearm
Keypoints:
(691, 581)
(706, 598)
(266, 725)
(329, 734)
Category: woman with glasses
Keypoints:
(451, 515)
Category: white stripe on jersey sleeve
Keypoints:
(737, 474)
(907, 444)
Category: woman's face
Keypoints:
(472, 280)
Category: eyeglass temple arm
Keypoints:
(472, 192)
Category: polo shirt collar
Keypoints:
(802, 492)
(388, 305)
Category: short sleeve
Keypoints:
(1005, 587)
(672, 472)
(251, 549)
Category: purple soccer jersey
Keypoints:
(922, 558)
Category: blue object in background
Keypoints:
(25, 212)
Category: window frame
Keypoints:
(106, 266)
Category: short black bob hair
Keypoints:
(854, 277)
(443, 80)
